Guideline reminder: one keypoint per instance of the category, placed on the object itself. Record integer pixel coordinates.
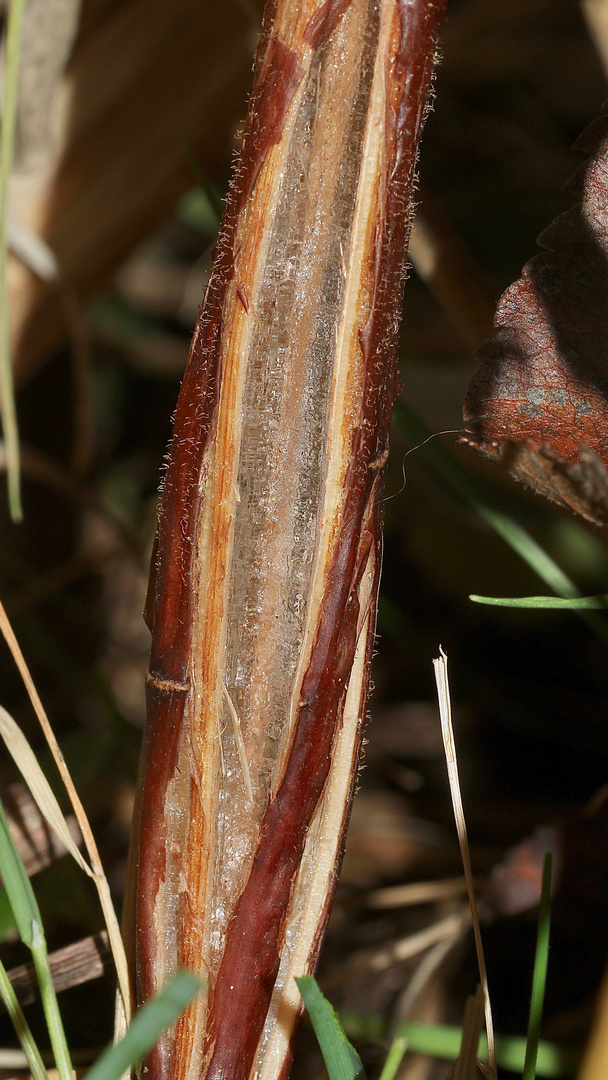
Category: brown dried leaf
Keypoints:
(73, 965)
(37, 844)
(539, 398)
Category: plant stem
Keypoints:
(265, 588)
(540, 971)
(50, 1005)
(21, 1026)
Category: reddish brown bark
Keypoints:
(270, 530)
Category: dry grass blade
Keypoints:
(38, 846)
(415, 892)
(595, 1060)
(101, 882)
(15, 1061)
(466, 1066)
(428, 966)
(449, 929)
(27, 763)
(445, 711)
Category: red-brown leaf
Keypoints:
(539, 399)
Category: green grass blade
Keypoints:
(50, 1004)
(540, 971)
(146, 1027)
(8, 411)
(21, 1026)
(341, 1059)
(394, 1058)
(549, 603)
(474, 493)
(443, 1041)
(17, 884)
(8, 926)
(29, 923)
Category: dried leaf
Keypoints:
(101, 882)
(539, 399)
(73, 965)
(37, 844)
(26, 761)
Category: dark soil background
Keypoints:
(518, 82)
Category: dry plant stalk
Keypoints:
(265, 589)
(41, 791)
(447, 731)
(72, 965)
